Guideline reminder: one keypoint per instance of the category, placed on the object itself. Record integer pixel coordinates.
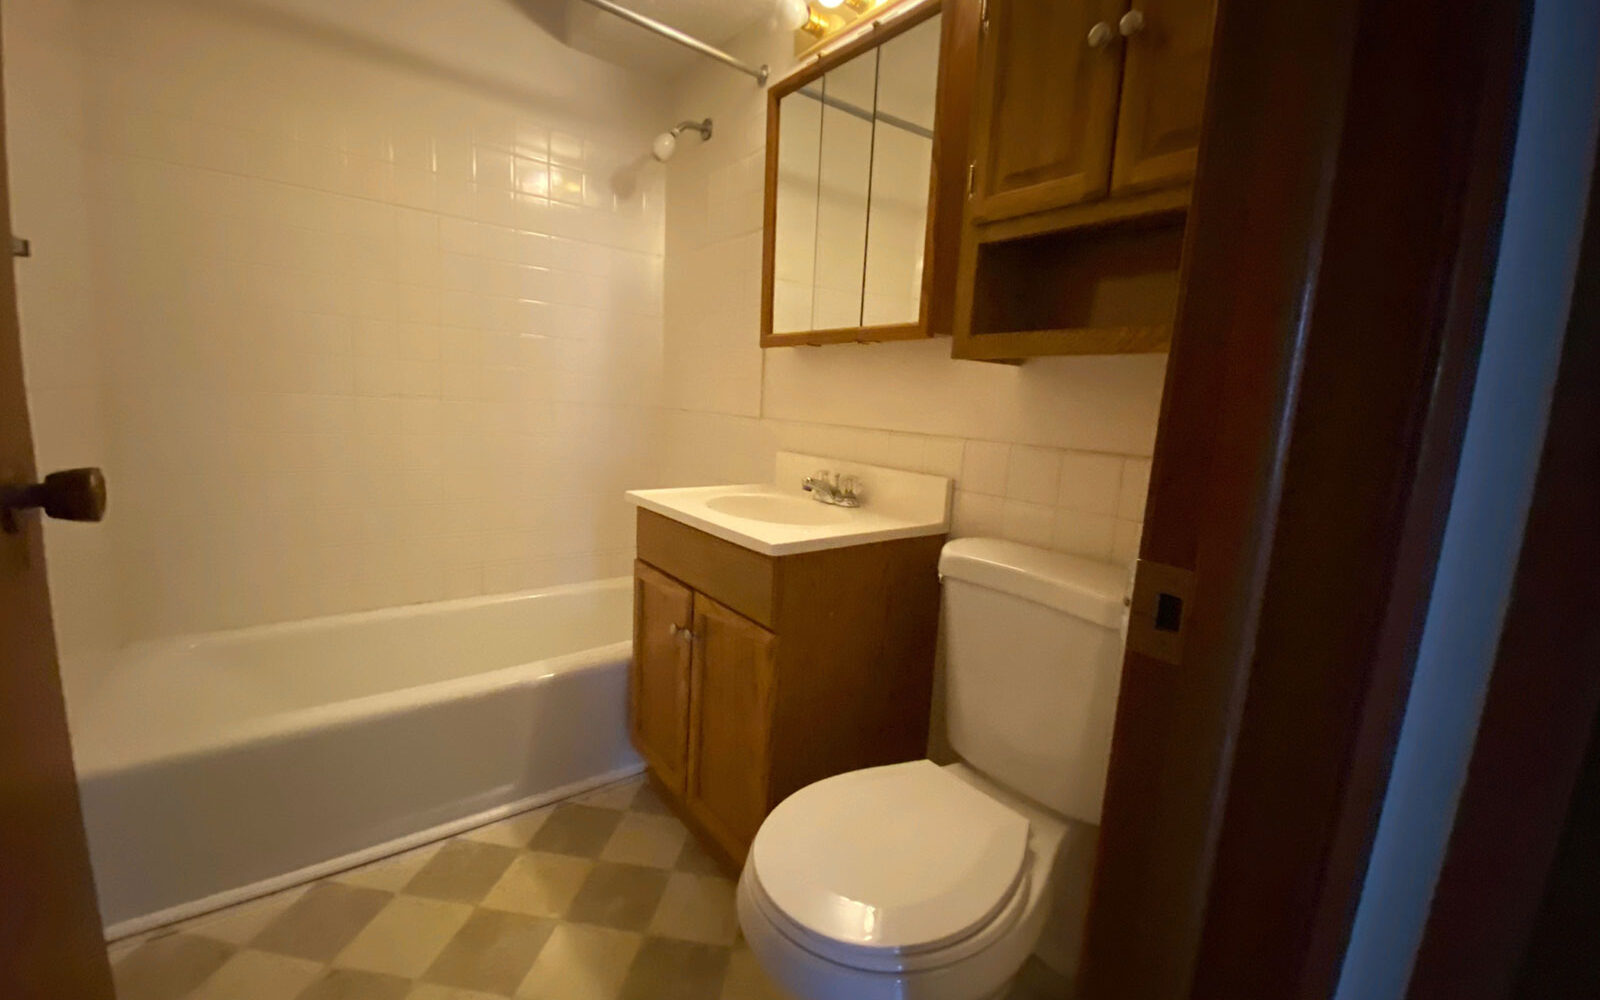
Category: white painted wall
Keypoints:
(1494, 487)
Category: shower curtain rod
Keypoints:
(687, 41)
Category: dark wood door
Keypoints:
(50, 936)
(1163, 96)
(1046, 107)
(734, 667)
(658, 688)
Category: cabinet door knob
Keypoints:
(682, 634)
(1131, 24)
(1100, 35)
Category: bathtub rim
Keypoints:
(355, 859)
(93, 762)
(192, 640)
(280, 727)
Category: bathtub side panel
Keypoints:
(173, 832)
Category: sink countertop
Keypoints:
(897, 504)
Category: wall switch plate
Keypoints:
(1159, 611)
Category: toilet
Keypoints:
(916, 881)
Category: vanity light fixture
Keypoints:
(797, 15)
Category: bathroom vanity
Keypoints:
(783, 643)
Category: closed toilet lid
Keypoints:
(903, 857)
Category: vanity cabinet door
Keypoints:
(731, 727)
(1047, 104)
(658, 683)
(1163, 92)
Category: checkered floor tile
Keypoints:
(603, 897)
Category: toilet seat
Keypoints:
(891, 868)
(882, 960)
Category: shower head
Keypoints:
(667, 142)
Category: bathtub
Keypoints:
(218, 767)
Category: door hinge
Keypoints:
(21, 247)
(972, 175)
(983, 17)
(1159, 610)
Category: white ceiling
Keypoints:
(602, 34)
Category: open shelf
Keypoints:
(1095, 289)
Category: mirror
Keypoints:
(849, 188)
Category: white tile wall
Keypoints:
(359, 309)
(378, 299)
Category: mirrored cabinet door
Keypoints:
(902, 162)
(851, 194)
(844, 185)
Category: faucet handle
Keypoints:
(822, 477)
(851, 488)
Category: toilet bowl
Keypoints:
(916, 881)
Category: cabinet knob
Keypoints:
(1131, 24)
(682, 634)
(1100, 35)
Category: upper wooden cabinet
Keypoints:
(1086, 129)
(1081, 99)
(1047, 104)
(1168, 50)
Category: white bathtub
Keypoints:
(218, 767)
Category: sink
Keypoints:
(779, 520)
(776, 509)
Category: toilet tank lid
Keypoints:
(1084, 588)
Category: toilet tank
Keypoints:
(1033, 656)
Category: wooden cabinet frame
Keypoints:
(947, 180)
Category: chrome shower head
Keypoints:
(667, 142)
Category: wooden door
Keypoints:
(1167, 58)
(658, 688)
(731, 728)
(1046, 105)
(50, 936)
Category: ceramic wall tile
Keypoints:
(338, 304)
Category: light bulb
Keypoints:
(793, 14)
(830, 4)
(663, 146)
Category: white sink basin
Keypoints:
(777, 509)
(777, 519)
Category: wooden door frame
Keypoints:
(51, 941)
(1345, 226)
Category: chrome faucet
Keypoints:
(832, 488)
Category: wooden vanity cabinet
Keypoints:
(658, 685)
(754, 676)
(1085, 133)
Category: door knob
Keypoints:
(1131, 24)
(68, 495)
(1100, 35)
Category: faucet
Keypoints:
(832, 488)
